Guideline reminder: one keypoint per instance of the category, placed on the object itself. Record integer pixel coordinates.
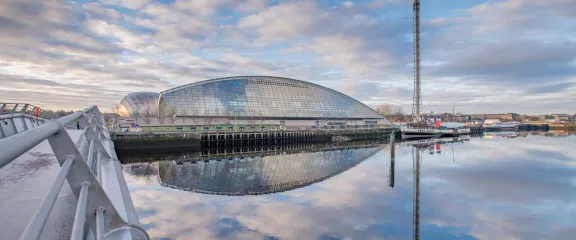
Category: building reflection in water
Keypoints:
(253, 173)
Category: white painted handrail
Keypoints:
(91, 168)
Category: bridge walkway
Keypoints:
(23, 184)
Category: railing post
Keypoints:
(79, 140)
(98, 159)
(15, 107)
(24, 108)
(24, 123)
(99, 171)
(2, 134)
(100, 228)
(14, 125)
(80, 216)
(90, 158)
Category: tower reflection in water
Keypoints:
(433, 146)
(277, 169)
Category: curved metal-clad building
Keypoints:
(266, 98)
(260, 175)
(138, 101)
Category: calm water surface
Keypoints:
(490, 187)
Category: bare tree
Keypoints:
(148, 116)
(172, 113)
(398, 114)
(385, 109)
(196, 121)
(114, 108)
(163, 109)
(116, 113)
(391, 112)
(260, 118)
(137, 115)
(183, 114)
(207, 120)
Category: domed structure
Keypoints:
(275, 100)
(138, 101)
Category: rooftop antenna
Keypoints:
(417, 101)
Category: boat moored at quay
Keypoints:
(497, 125)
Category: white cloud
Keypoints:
(132, 4)
(284, 21)
(438, 21)
(351, 55)
(95, 9)
(202, 7)
(251, 5)
(126, 38)
(348, 4)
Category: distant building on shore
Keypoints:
(562, 117)
(500, 116)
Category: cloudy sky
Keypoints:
(485, 56)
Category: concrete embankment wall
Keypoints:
(154, 141)
(191, 141)
(257, 138)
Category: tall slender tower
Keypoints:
(417, 100)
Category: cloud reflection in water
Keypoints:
(495, 189)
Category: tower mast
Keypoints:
(417, 100)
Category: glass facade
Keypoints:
(264, 97)
(138, 101)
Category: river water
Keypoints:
(491, 187)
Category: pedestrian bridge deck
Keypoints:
(23, 184)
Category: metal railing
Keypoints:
(17, 108)
(92, 169)
(13, 123)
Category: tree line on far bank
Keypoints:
(51, 114)
(393, 113)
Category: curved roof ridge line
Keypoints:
(285, 78)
